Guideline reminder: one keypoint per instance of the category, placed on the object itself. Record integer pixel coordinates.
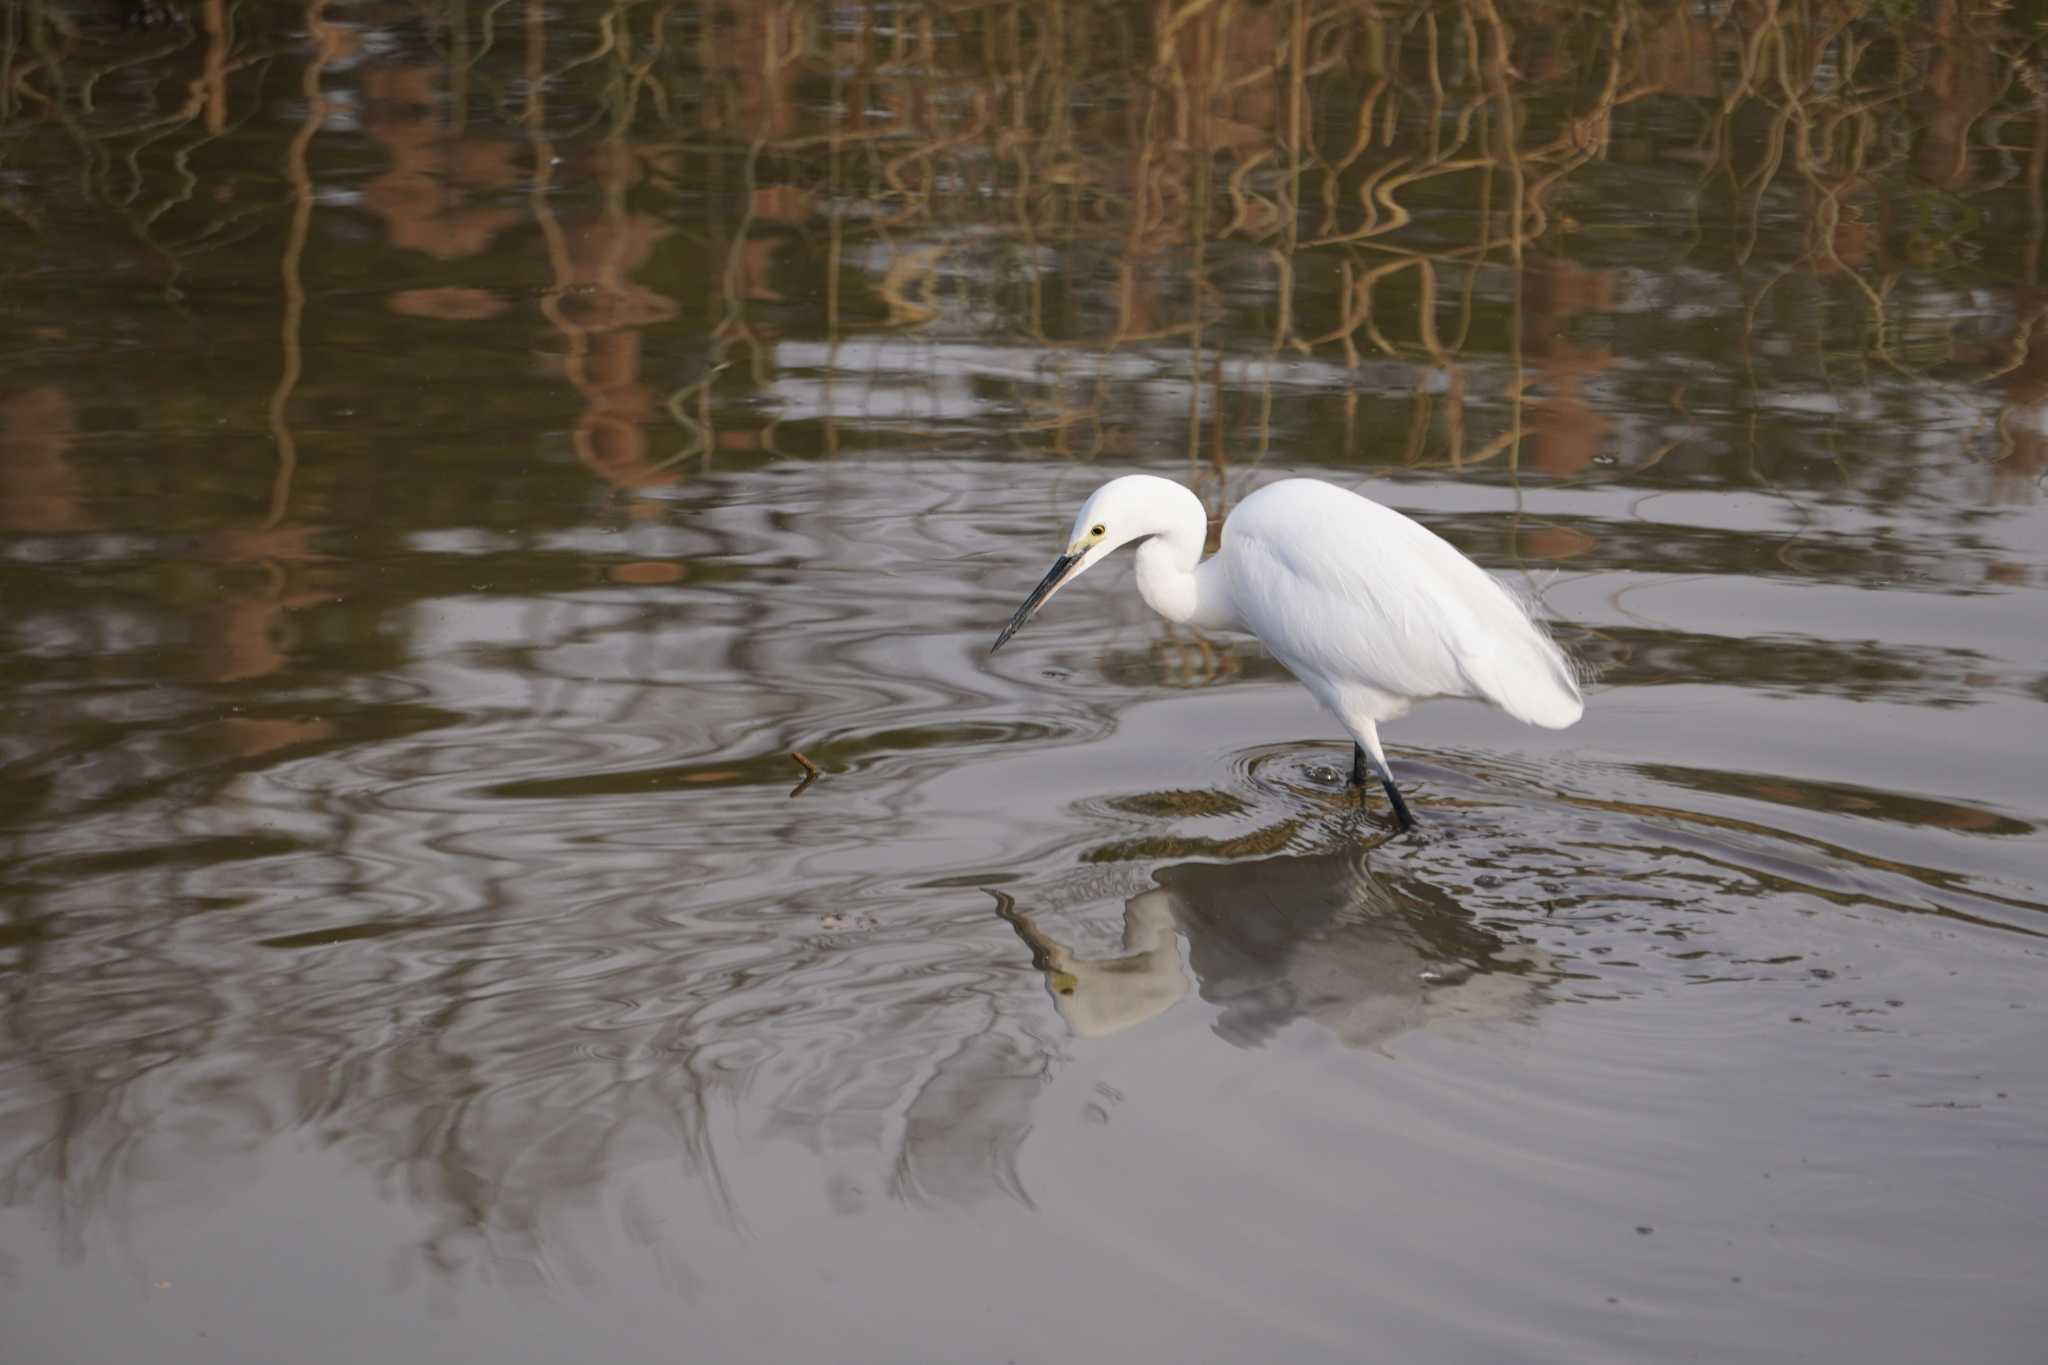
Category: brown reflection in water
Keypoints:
(593, 302)
(41, 491)
(441, 193)
(2018, 366)
(1563, 431)
(750, 55)
(1964, 78)
(1244, 184)
(240, 598)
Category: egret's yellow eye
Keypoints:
(1098, 530)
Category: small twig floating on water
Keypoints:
(812, 772)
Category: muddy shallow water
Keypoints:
(452, 456)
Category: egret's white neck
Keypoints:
(1176, 584)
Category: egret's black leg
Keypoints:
(1361, 769)
(1400, 807)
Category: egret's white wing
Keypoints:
(1370, 608)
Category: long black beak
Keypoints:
(1063, 568)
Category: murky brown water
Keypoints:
(452, 453)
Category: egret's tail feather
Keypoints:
(1549, 695)
(1525, 672)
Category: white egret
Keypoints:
(1370, 610)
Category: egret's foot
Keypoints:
(1404, 819)
(1374, 832)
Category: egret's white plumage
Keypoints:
(1370, 610)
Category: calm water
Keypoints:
(452, 454)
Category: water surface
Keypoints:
(452, 456)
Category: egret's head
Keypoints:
(1119, 512)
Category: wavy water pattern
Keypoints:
(513, 844)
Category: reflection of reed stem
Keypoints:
(214, 22)
(459, 60)
(10, 44)
(1496, 75)
(2037, 218)
(290, 268)
(577, 341)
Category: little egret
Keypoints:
(1371, 611)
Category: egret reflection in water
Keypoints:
(1297, 936)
